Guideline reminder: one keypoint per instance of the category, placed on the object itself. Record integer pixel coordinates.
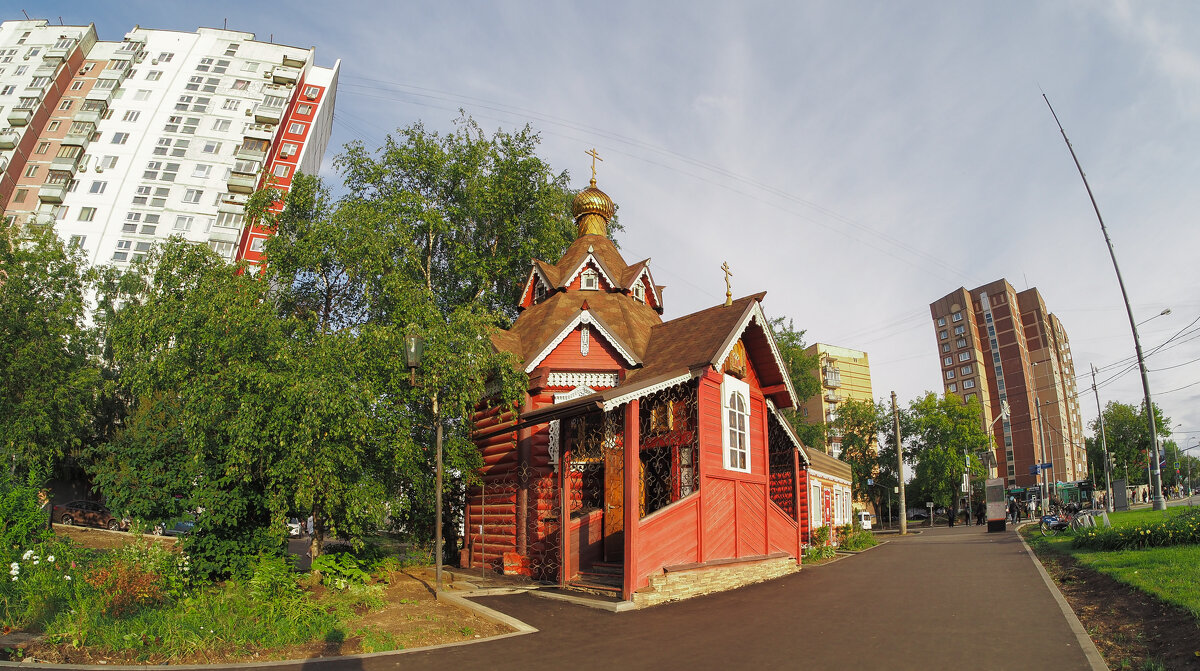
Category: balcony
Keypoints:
(243, 182)
(285, 75)
(831, 397)
(224, 234)
(9, 138)
(258, 131)
(237, 201)
(99, 95)
(77, 140)
(264, 114)
(57, 52)
(251, 152)
(64, 164)
(294, 61)
(52, 193)
(20, 117)
(88, 116)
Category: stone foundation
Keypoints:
(685, 584)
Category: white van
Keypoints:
(864, 519)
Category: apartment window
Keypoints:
(961, 342)
(735, 395)
(42, 148)
(949, 375)
(231, 104)
(952, 387)
(957, 316)
(249, 66)
(165, 57)
(142, 94)
(240, 84)
(945, 347)
(170, 171)
(65, 105)
(964, 356)
(256, 245)
(211, 147)
(231, 49)
(223, 249)
(151, 171)
(948, 361)
(941, 321)
(183, 223)
(98, 186)
(281, 170)
(204, 65)
(19, 196)
(202, 171)
(304, 110)
(959, 330)
(77, 241)
(154, 75)
(148, 229)
(968, 384)
(162, 146)
(221, 66)
(229, 220)
(221, 125)
(969, 397)
(87, 213)
(108, 162)
(942, 335)
(53, 126)
(31, 171)
(120, 138)
(193, 195)
(105, 84)
(312, 92)
(296, 129)
(77, 85)
(288, 149)
(131, 115)
(965, 370)
(122, 253)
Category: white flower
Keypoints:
(66, 577)
(15, 566)
(14, 578)
(50, 559)
(27, 555)
(36, 562)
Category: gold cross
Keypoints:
(595, 157)
(728, 287)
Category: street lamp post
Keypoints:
(1156, 486)
(1108, 505)
(414, 350)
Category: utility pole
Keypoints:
(1108, 494)
(900, 468)
(967, 479)
(1042, 445)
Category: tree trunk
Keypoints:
(318, 535)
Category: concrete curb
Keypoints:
(1085, 642)
(610, 606)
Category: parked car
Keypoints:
(180, 528)
(89, 513)
(864, 519)
(294, 528)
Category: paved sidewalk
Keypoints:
(942, 599)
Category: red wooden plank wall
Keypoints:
(668, 536)
(601, 355)
(781, 531)
(751, 520)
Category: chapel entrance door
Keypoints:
(614, 497)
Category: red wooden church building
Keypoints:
(648, 457)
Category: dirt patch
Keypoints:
(103, 539)
(1131, 629)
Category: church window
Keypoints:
(539, 292)
(639, 291)
(736, 420)
(590, 280)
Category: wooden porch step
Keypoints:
(595, 587)
(607, 568)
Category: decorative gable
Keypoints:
(585, 323)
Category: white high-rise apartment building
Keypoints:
(122, 144)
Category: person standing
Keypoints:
(1012, 510)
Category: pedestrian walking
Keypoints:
(1012, 510)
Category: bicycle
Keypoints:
(1073, 521)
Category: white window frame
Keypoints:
(589, 280)
(735, 440)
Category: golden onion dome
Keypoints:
(592, 209)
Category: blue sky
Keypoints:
(856, 160)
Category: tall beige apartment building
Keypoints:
(1003, 346)
(845, 374)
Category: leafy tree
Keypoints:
(48, 384)
(936, 432)
(1128, 438)
(859, 424)
(803, 370)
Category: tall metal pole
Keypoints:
(1108, 493)
(967, 457)
(1042, 455)
(1156, 477)
(900, 468)
(437, 533)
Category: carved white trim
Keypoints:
(648, 282)
(584, 340)
(552, 448)
(755, 313)
(619, 401)
(576, 379)
(595, 264)
(585, 317)
(577, 392)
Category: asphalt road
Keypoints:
(943, 599)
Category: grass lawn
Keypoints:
(1172, 574)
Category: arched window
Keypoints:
(736, 420)
(539, 291)
(639, 291)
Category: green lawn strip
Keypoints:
(1172, 574)
(217, 620)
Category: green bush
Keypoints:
(858, 540)
(1178, 527)
(41, 581)
(22, 520)
(340, 570)
(819, 553)
(217, 553)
